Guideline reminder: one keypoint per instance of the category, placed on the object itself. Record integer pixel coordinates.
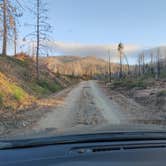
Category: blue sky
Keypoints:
(141, 22)
(91, 27)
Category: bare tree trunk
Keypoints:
(109, 66)
(143, 63)
(120, 50)
(139, 65)
(158, 65)
(128, 66)
(38, 42)
(152, 64)
(15, 40)
(135, 73)
(4, 47)
(33, 50)
(120, 72)
(105, 73)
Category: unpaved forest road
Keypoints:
(86, 105)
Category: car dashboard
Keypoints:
(118, 153)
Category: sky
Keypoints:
(103, 22)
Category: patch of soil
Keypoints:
(150, 103)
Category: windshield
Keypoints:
(82, 66)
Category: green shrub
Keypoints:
(38, 90)
(48, 85)
(18, 93)
(1, 99)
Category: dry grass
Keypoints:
(11, 94)
(18, 85)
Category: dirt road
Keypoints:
(86, 105)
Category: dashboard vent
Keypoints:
(82, 150)
(103, 149)
(144, 146)
(115, 148)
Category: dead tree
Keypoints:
(4, 43)
(139, 64)
(10, 14)
(15, 39)
(37, 38)
(143, 62)
(109, 66)
(105, 73)
(128, 66)
(42, 29)
(158, 64)
(120, 51)
(152, 63)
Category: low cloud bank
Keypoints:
(100, 51)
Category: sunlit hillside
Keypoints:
(78, 66)
(18, 84)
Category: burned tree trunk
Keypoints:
(120, 50)
(4, 44)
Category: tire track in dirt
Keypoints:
(85, 105)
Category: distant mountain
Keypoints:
(99, 50)
(75, 65)
(90, 65)
(67, 59)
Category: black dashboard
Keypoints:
(113, 153)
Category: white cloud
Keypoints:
(101, 51)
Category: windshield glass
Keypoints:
(81, 66)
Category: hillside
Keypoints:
(18, 85)
(78, 66)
